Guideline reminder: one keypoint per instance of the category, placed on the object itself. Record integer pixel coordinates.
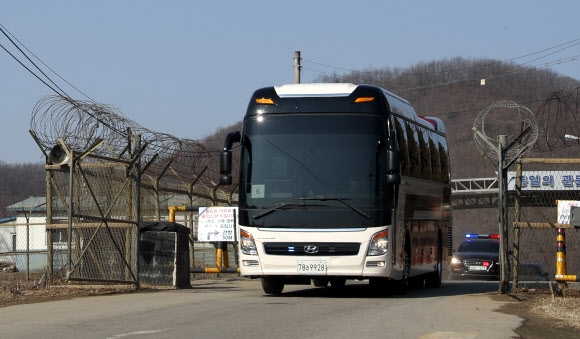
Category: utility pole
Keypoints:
(297, 67)
(502, 165)
(503, 218)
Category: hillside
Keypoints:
(451, 90)
(18, 182)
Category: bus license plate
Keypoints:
(311, 267)
(477, 268)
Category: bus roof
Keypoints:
(315, 90)
(325, 90)
(284, 95)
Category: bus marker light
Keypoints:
(264, 101)
(364, 99)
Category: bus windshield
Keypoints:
(297, 167)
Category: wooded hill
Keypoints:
(452, 90)
(18, 182)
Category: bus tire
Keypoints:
(418, 282)
(272, 285)
(337, 282)
(380, 286)
(434, 278)
(320, 282)
(401, 286)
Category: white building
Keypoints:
(23, 238)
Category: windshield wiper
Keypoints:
(342, 200)
(277, 207)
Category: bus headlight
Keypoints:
(378, 244)
(247, 244)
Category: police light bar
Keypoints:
(481, 236)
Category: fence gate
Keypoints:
(92, 218)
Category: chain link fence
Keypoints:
(22, 247)
(533, 235)
(105, 212)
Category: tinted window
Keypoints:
(479, 246)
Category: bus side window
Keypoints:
(414, 151)
(435, 158)
(403, 147)
(423, 135)
(444, 156)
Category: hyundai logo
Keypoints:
(311, 249)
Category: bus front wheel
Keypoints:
(401, 286)
(273, 285)
(337, 282)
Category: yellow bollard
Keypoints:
(561, 274)
(560, 252)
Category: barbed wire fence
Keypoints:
(554, 167)
(545, 175)
(115, 175)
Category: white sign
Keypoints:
(217, 224)
(546, 180)
(564, 207)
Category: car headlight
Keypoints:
(247, 244)
(379, 243)
(455, 261)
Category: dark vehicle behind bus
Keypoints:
(476, 258)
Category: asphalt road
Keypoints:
(237, 308)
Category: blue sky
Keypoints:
(187, 68)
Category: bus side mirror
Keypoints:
(393, 167)
(393, 161)
(225, 179)
(226, 162)
(226, 158)
(393, 179)
(226, 168)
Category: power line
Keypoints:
(456, 82)
(480, 109)
(42, 62)
(28, 69)
(568, 44)
(62, 93)
(32, 62)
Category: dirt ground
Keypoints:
(16, 292)
(546, 314)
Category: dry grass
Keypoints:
(563, 310)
